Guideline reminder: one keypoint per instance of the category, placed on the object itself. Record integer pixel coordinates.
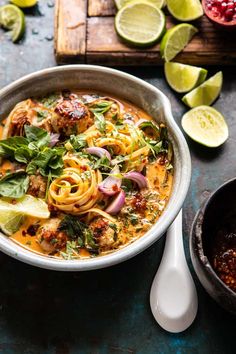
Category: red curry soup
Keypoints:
(82, 174)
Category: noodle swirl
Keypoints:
(76, 190)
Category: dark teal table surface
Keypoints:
(107, 311)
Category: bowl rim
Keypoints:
(194, 235)
(152, 235)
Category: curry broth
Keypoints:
(144, 206)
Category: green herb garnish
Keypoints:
(98, 109)
(78, 231)
(14, 185)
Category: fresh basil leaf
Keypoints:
(23, 155)
(78, 141)
(48, 160)
(38, 136)
(101, 107)
(14, 185)
(31, 168)
(10, 145)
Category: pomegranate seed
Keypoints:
(228, 15)
(230, 5)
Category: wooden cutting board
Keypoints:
(84, 33)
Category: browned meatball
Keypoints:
(73, 117)
(105, 235)
(50, 238)
(21, 115)
(37, 186)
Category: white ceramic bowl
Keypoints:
(128, 87)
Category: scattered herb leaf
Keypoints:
(14, 185)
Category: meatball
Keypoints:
(21, 115)
(37, 186)
(73, 117)
(104, 234)
(50, 238)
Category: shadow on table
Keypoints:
(104, 311)
(47, 309)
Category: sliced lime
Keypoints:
(10, 220)
(13, 19)
(11, 215)
(206, 93)
(176, 39)
(32, 206)
(158, 3)
(185, 10)
(24, 3)
(183, 78)
(140, 23)
(205, 125)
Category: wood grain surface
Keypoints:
(70, 30)
(84, 32)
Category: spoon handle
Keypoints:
(174, 247)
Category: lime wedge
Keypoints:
(24, 3)
(11, 215)
(206, 93)
(140, 23)
(185, 10)
(183, 78)
(176, 39)
(13, 19)
(32, 206)
(205, 125)
(157, 3)
(10, 221)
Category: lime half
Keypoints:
(185, 10)
(140, 23)
(206, 93)
(24, 3)
(13, 19)
(183, 78)
(205, 125)
(12, 215)
(176, 39)
(157, 3)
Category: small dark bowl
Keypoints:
(220, 207)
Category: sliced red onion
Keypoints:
(138, 178)
(111, 184)
(117, 203)
(54, 138)
(140, 121)
(128, 121)
(100, 152)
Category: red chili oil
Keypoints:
(223, 256)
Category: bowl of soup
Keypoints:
(94, 168)
(213, 245)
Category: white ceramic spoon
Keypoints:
(173, 296)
